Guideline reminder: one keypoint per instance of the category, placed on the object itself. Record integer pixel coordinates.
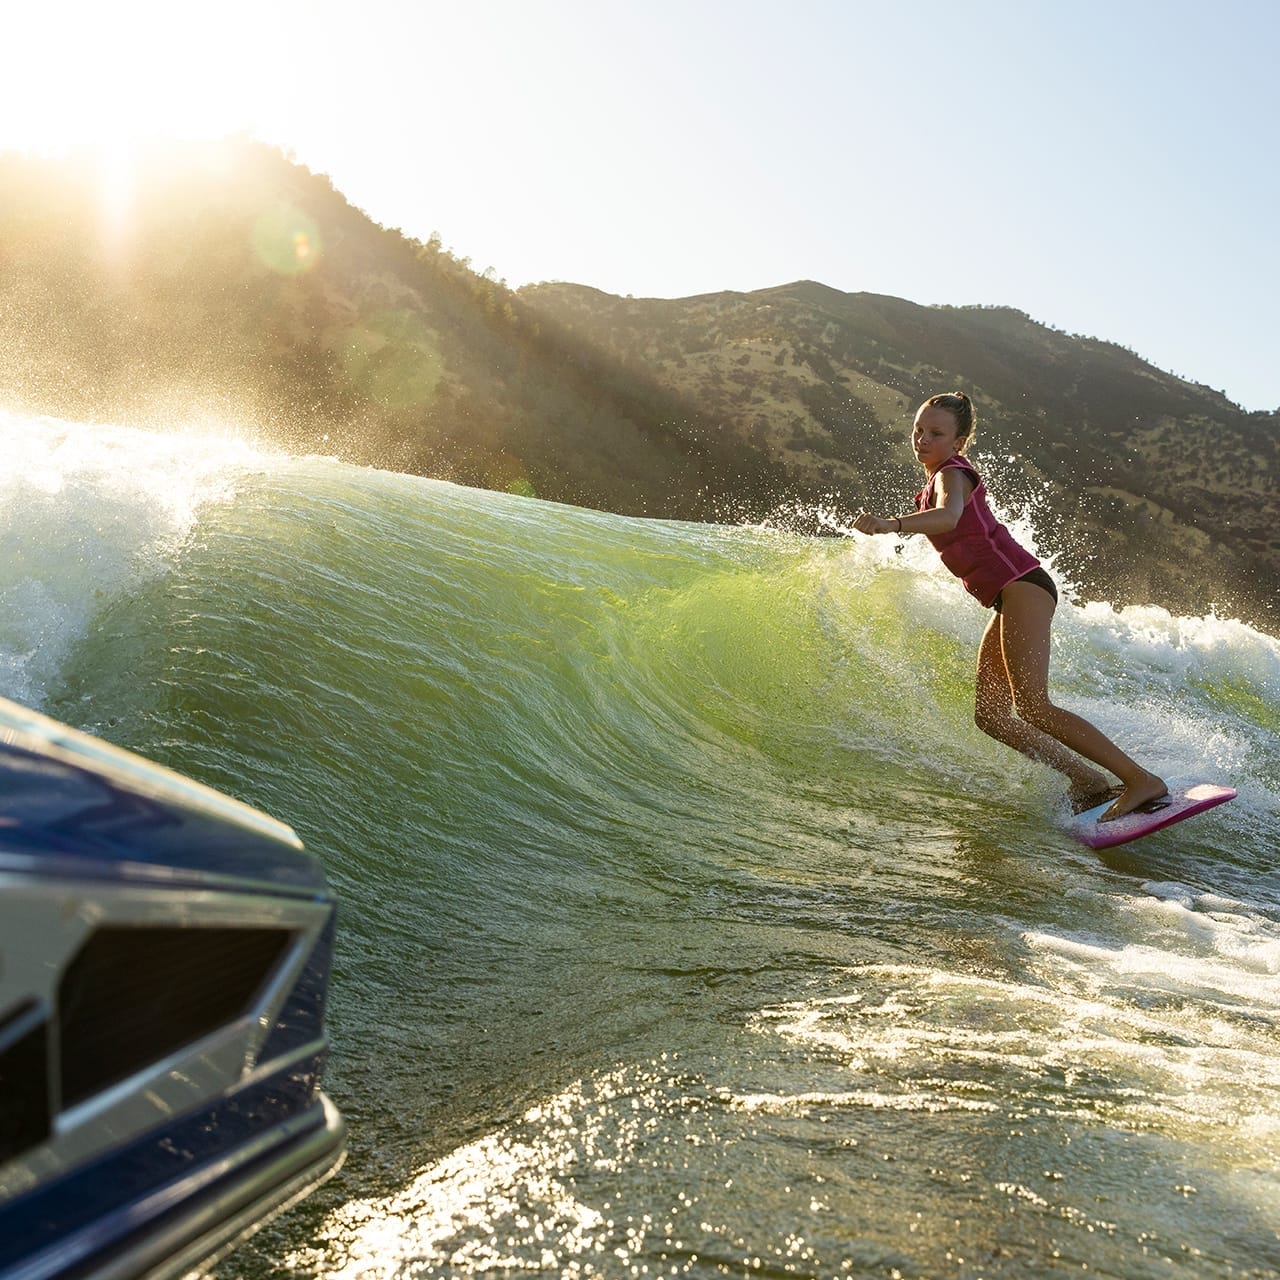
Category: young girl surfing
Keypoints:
(1012, 702)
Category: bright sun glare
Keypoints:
(111, 75)
(114, 78)
(430, 116)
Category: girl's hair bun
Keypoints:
(961, 407)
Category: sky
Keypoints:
(1110, 167)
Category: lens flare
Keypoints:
(393, 357)
(287, 240)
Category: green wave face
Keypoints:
(687, 919)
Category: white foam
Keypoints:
(1133, 1035)
(1200, 945)
(88, 512)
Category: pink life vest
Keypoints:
(980, 551)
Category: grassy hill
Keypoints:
(1146, 486)
(230, 284)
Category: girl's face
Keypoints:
(934, 436)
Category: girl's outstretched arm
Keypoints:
(953, 488)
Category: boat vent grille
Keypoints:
(135, 994)
(24, 1079)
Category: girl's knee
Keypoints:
(992, 720)
(1038, 712)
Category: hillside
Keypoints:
(1146, 486)
(236, 286)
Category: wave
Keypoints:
(692, 817)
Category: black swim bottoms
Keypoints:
(1039, 577)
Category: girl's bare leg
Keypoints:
(995, 715)
(1024, 646)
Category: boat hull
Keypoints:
(164, 965)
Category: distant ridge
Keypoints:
(242, 287)
(1148, 487)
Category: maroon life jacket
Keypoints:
(980, 551)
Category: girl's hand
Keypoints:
(865, 523)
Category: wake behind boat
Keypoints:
(669, 939)
(164, 960)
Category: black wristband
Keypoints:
(899, 520)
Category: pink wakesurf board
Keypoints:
(1184, 801)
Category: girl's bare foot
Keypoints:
(1142, 790)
